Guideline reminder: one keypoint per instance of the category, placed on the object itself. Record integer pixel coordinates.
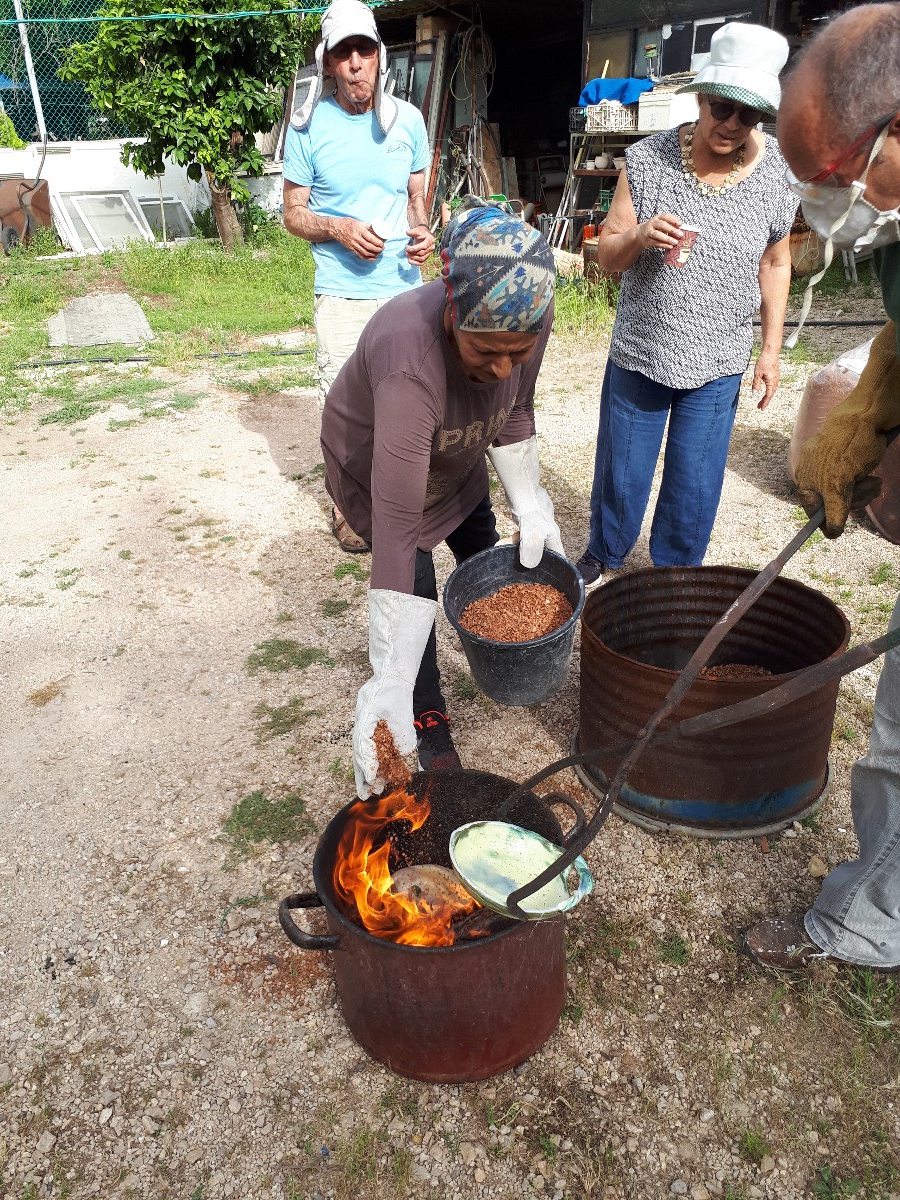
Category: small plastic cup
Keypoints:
(677, 255)
(381, 229)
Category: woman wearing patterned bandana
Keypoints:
(442, 376)
(683, 330)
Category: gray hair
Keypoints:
(857, 60)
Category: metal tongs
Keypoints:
(802, 682)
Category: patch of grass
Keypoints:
(27, 573)
(354, 569)
(752, 1146)
(673, 949)
(872, 1002)
(67, 577)
(358, 1158)
(284, 654)
(71, 412)
(401, 1170)
(883, 573)
(125, 555)
(582, 306)
(256, 820)
(283, 719)
(333, 608)
(462, 685)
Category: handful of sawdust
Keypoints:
(391, 767)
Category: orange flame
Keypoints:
(362, 876)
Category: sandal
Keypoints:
(349, 542)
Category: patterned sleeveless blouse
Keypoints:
(685, 326)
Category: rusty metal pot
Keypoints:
(455, 1013)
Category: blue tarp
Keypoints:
(626, 91)
(6, 84)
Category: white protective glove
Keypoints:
(399, 626)
(519, 471)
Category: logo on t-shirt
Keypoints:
(399, 148)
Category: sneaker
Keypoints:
(590, 569)
(434, 743)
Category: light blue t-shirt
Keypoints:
(355, 170)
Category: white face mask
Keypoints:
(845, 220)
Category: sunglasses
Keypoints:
(748, 117)
(852, 151)
(363, 46)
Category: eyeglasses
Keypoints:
(748, 117)
(851, 151)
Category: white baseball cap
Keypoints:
(346, 19)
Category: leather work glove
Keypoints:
(399, 626)
(835, 467)
(518, 470)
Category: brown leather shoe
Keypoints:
(782, 942)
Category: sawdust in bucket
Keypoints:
(520, 612)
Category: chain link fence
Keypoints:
(68, 114)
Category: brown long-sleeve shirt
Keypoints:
(404, 432)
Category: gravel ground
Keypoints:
(161, 1038)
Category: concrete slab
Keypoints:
(100, 320)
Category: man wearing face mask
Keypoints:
(839, 129)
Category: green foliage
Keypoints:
(282, 719)
(753, 1146)
(828, 1186)
(284, 654)
(674, 949)
(8, 136)
(197, 90)
(353, 569)
(256, 819)
(584, 307)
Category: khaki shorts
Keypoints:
(339, 322)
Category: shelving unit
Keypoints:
(584, 147)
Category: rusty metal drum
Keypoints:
(445, 1014)
(639, 630)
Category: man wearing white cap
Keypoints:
(354, 187)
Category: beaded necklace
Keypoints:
(689, 171)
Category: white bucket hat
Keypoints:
(346, 19)
(744, 62)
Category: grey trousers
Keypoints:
(857, 915)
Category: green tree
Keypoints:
(197, 90)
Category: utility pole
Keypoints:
(29, 68)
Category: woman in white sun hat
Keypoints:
(699, 225)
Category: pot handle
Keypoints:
(306, 941)
(577, 810)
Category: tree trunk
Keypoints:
(223, 210)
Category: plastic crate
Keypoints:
(609, 116)
(576, 120)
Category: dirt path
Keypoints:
(161, 1038)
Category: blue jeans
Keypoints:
(857, 914)
(633, 413)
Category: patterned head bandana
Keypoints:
(499, 272)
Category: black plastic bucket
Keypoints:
(515, 673)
